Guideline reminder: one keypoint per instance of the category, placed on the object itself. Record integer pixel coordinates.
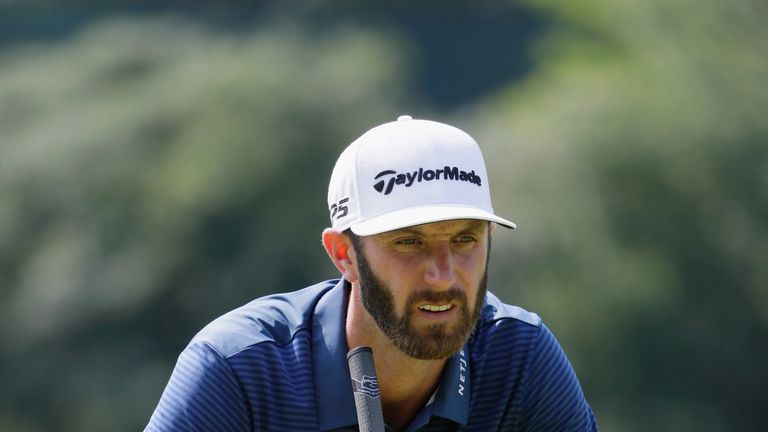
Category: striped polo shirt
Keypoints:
(279, 364)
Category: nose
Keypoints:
(440, 272)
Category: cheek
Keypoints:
(402, 281)
(473, 272)
(401, 286)
(393, 277)
(472, 266)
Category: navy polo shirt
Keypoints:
(279, 363)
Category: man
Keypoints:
(411, 226)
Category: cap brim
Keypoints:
(421, 215)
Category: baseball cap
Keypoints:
(409, 172)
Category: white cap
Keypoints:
(409, 172)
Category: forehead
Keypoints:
(450, 228)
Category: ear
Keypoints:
(340, 251)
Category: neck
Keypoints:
(406, 383)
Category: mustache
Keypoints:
(452, 295)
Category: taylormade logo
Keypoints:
(388, 179)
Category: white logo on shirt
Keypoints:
(462, 370)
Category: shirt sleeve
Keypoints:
(203, 394)
(553, 399)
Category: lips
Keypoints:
(435, 308)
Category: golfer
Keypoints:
(411, 229)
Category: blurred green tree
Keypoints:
(154, 175)
(634, 159)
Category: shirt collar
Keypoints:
(333, 385)
(452, 397)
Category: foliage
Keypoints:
(156, 172)
(635, 163)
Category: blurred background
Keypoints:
(162, 162)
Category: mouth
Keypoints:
(435, 308)
(437, 312)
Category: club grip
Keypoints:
(365, 386)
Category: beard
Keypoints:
(437, 340)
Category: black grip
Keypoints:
(365, 386)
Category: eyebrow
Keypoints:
(469, 226)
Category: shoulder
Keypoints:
(495, 310)
(508, 328)
(505, 329)
(517, 358)
(275, 318)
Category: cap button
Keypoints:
(404, 117)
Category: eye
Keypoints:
(410, 241)
(466, 238)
